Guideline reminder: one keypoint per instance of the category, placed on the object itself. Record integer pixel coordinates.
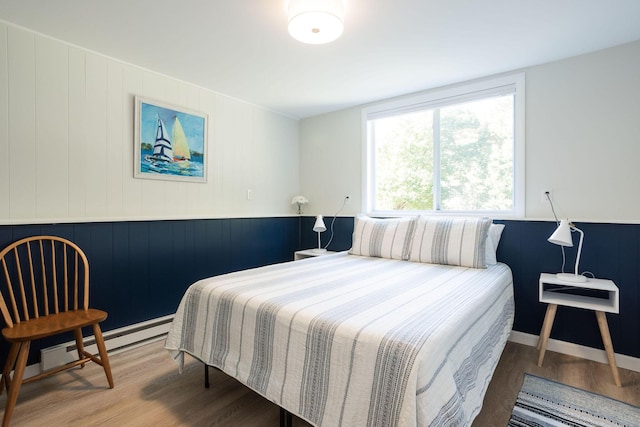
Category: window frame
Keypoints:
(513, 83)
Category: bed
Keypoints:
(355, 340)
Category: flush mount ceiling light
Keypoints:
(316, 21)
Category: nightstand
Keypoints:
(599, 295)
(308, 253)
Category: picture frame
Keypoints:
(170, 142)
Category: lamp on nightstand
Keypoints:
(562, 236)
(319, 227)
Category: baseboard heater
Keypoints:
(116, 340)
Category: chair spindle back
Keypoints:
(42, 275)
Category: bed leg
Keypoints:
(286, 419)
(206, 376)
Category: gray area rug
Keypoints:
(543, 402)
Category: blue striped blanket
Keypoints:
(345, 340)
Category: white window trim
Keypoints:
(456, 93)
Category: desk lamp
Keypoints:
(319, 227)
(562, 237)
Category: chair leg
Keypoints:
(14, 389)
(77, 333)
(102, 349)
(8, 367)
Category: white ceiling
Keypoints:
(241, 48)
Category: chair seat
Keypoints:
(53, 324)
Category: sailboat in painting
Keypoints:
(162, 150)
(175, 152)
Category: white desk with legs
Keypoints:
(556, 292)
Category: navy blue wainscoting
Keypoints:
(342, 233)
(139, 270)
(610, 251)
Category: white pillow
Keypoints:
(493, 239)
(451, 241)
(383, 238)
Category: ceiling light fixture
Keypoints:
(316, 21)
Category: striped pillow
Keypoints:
(383, 238)
(451, 241)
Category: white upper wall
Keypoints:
(582, 141)
(67, 142)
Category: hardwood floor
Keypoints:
(585, 374)
(150, 392)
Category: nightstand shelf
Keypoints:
(599, 295)
(308, 253)
(589, 295)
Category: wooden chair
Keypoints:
(44, 291)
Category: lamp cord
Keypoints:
(344, 202)
(552, 208)
(557, 223)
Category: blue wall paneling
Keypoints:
(140, 269)
(610, 251)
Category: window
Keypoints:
(455, 150)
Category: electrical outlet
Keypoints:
(544, 194)
(347, 200)
(249, 194)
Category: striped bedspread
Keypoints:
(344, 340)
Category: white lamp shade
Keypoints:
(319, 226)
(562, 235)
(316, 21)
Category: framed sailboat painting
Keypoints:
(170, 142)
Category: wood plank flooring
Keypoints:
(585, 374)
(150, 392)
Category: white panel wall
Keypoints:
(4, 124)
(583, 135)
(22, 130)
(582, 141)
(66, 142)
(331, 163)
(77, 165)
